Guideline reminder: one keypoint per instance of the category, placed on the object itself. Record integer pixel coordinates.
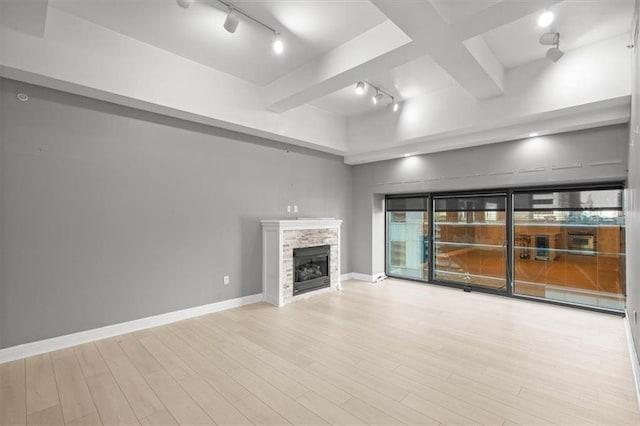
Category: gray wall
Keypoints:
(585, 156)
(110, 214)
(633, 201)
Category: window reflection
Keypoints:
(470, 240)
(569, 246)
(408, 244)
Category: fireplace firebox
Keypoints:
(311, 268)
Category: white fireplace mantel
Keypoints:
(279, 238)
(301, 224)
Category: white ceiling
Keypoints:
(309, 28)
(475, 58)
(579, 23)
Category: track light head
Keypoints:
(549, 39)
(184, 3)
(377, 98)
(232, 20)
(395, 106)
(552, 39)
(554, 54)
(278, 45)
(360, 88)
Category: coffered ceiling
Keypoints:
(466, 72)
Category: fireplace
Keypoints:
(311, 268)
(279, 239)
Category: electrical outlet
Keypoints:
(288, 209)
(225, 280)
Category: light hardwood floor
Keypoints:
(396, 352)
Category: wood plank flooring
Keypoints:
(392, 353)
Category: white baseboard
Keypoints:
(61, 342)
(633, 354)
(360, 277)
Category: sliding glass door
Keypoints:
(408, 237)
(561, 244)
(569, 246)
(470, 240)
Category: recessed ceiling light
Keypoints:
(407, 155)
(533, 134)
(184, 3)
(22, 97)
(545, 19)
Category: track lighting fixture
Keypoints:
(552, 39)
(545, 19)
(379, 95)
(233, 19)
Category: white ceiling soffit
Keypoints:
(604, 113)
(459, 67)
(25, 16)
(587, 82)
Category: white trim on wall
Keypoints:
(359, 277)
(635, 364)
(61, 342)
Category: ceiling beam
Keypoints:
(422, 22)
(382, 46)
(415, 29)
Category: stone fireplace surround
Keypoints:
(279, 238)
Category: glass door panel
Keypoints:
(470, 240)
(569, 246)
(408, 238)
